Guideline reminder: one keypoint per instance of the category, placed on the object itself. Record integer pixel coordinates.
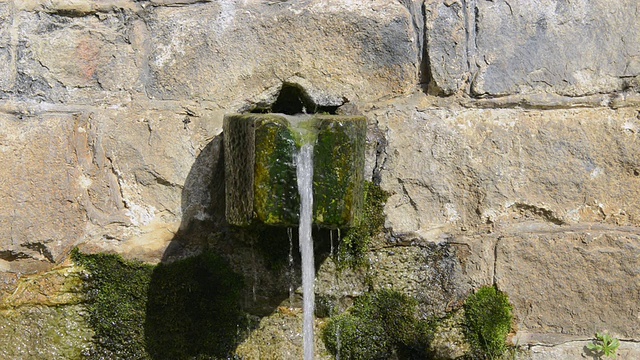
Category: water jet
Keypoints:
(283, 170)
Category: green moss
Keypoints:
(351, 337)
(488, 317)
(355, 244)
(116, 294)
(44, 332)
(276, 191)
(378, 324)
(338, 170)
(325, 306)
(194, 309)
(189, 309)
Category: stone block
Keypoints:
(468, 168)
(574, 49)
(80, 59)
(446, 45)
(7, 58)
(338, 168)
(40, 215)
(577, 350)
(260, 169)
(230, 53)
(573, 281)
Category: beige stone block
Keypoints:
(7, 56)
(82, 59)
(41, 215)
(454, 169)
(573, 282)
(234, 53)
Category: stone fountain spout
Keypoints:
(260, 168)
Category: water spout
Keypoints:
(304, 172)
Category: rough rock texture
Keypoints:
(43, 318)
(506, 47)
(446, 45)
(279, 337)
(577, 279)
(227, 52)
(487, 166)
(576, 48)
(506, 131)
(549, 195)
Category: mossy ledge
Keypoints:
(386, 323)
(189, 309)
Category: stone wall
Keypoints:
(508, 132)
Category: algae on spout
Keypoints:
(260, 172)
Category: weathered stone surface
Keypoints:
(463, 169)
(41, 332)
(40, 215)
(229, 52)
(338, 165)
(576, 48)
(449, 340)
(554, 189)
(75, 7)
(279, 337)
(446, 45)
(531, 185)
(260, 172)
(87, 59)
(43, 318)
(61, 286)
(577, 281)
(151, 172)
(7, 58)
(429, 272)
(578, 350)
(121, 180)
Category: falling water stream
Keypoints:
(304, 172)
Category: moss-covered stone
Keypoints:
(189, 309)
(277, 201)
(338, 173)
(194, 309)
(116, 295)
(354, 245)
(352, 337)
(378, 324)
(260, 169)
(43, 317)
(44, 332)
(488, 317)
(239, 162)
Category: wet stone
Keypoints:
(260, 170)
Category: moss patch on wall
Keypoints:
(354, 245)
(189, 309)
(44, 332)
(379, 324)
(385, 323)
(116, 295)
(194, 309)
(488, 317)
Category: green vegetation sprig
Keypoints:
(604, 344)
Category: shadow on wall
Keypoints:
(216, 281)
